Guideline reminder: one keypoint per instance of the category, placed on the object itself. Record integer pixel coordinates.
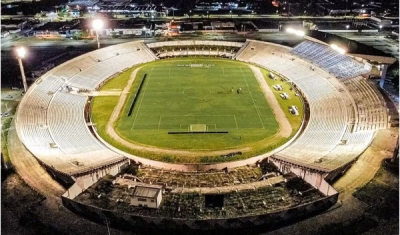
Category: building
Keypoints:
(13, 24)
(58, 29)
(147, 196)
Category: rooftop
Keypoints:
(146, 191)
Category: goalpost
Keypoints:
(198, 128)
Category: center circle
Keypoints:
(196, 93)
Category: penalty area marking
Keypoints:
(187, 126)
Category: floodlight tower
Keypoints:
(97, 25)
(21, 52)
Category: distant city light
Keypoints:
(338, 49)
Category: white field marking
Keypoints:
(252, 99)
(215, 125)
(159, 123)
(234, 116)
(137, 113)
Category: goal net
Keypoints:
(198, 128)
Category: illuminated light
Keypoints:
(97, 24)
(21, 52)
(296, 32)
(338, 49)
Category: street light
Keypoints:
(21, 52)
(230, 13)
(97, 25)
(347, 29)
(144, 29)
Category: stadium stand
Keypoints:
(51, 121)
(327, 142)
(195, 48)
(342, 66)
(52, 126)
(371, 107)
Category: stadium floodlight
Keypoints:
(21, 53)
(299, 33)
(338, 49)
(97, 25)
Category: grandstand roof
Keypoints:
(354, 48)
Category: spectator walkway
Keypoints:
(30, 170)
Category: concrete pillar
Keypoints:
(383, 75)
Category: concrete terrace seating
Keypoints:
(338, 64)
(331, 109)
(196, 53)
(186, 43)
(352, 144)
(50, 121)
(195, 48)
(370, 104)
(67, 124)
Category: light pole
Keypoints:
(347, 29)
(230, 13)
(97, 25)
(190, 14)
(21, 52)
(380, 28)
(144, 29)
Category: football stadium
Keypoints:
(196, 135)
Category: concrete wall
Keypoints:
(311, 176)
(131, 221)
(86, 180)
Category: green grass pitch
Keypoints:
(176, 95)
